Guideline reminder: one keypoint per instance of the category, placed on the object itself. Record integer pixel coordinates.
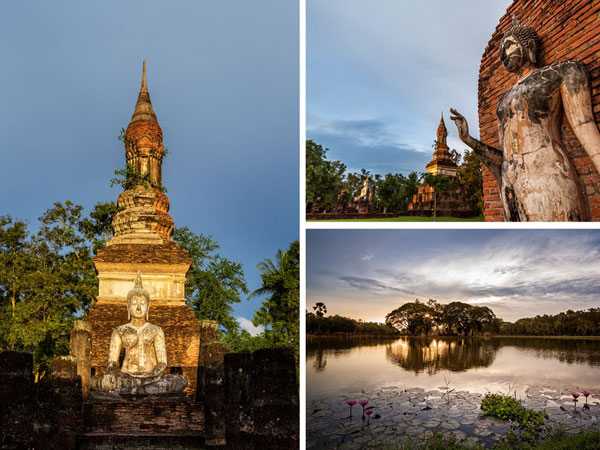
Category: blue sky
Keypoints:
(365, 274)
(223, 79)
(380, 72)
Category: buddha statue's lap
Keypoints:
(145, 354)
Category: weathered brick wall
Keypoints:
(38, 415)
(250, 401)
(182, 335)
(261, 400)
(144, 415)
(568, 30)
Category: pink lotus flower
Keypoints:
(368, 412)
(575, 395)
(363, 403)
(586, 394)
(351, 403)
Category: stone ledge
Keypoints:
(102, 441)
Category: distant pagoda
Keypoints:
(453, 203)
(442, 161)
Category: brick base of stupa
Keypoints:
(453, 203)
(179, 323)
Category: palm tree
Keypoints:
(280, 280)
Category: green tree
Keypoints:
(46, 280)
(97, 228)
(414, 318)
(280, 311)
(16, 261)
(213, 283)
(440, 184)
(323, 178)
(320, 309)
(457, 315)
(481, 316)
(390, 191)
(469, 176)
(411, 187)
(63, 233)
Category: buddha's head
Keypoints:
(138, 301)
(519, 47)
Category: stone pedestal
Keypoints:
(156, 422)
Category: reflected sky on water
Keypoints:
(472, 364)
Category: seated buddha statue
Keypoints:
(145, 354)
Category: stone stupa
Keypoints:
(142, 242)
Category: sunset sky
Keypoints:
(379, 73)
(364, 274)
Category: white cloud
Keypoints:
(517, 273)
(367, 257)
(249, 326)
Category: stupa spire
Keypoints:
(143, 108)
(144, 87)
(442, 161)
(144, 217)
(442, 132)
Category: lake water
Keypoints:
(346, 364)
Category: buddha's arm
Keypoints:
(490, 156)
(161, 352)
(116, 344)
(577, 103)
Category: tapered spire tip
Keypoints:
(144, 84)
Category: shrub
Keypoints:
(530, 423)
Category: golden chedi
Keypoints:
(142, 242)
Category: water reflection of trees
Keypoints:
(431, 355)
(570, 351)
(434, 354)
(320, 348)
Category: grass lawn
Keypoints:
(407, 219)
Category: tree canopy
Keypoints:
(47, 278)
(279, 312)
(418, 318)
(213, 283)
(326, 181)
